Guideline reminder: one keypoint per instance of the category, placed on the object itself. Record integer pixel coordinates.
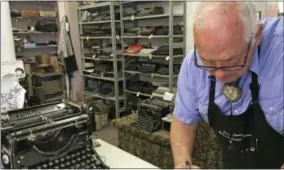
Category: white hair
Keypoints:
(246, 10)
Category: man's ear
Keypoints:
(258, 36)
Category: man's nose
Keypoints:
(219, 73)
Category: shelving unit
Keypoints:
(151, 74)
(168, 18)
(102, 8)
(37, 42)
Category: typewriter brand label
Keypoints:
(36, 112)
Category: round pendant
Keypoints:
(232, 92)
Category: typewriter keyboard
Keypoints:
(147, 124)
(83, 158)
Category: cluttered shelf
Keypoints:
(98, 22)
(93, 5)
(149, 17)
(150, 74)
(103, 97)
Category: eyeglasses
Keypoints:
(230, 68)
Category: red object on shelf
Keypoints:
(26, 13)
(133, 49)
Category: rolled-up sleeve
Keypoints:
(186, 109)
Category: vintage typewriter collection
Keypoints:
(150, 110)
(52, 136)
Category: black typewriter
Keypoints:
(147, 68)
(150, 112)
(50, 136)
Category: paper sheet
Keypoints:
(12, 93)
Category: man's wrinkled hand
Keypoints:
(282, 167)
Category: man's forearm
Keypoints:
(182, 141)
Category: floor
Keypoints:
(108, 134)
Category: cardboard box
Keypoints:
(55, 64)
(101, 120)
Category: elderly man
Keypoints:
(233, 79)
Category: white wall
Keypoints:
(7, 40)
(281, 8)
(189, 33)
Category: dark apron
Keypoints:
(247, 140)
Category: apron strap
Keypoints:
(212, 91)
(254, 88)
(211, 96)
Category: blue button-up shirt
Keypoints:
(193, 83)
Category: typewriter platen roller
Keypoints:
(52, 136)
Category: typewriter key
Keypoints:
(73, 155)
(68, 163)
(56, 161)
(88, 161)
(97, 162)
(56, 167)
(68, 157)
(77, 165)
(73, 161)
(83, 164)
(93, 165)
(79, 159)
(78, 153)
(50, 163)
(44, 165)
(84, 157)
(88, 166)
(83, 151)
(93, 159)
(62, 165)
(89, 155)
(38, 167)
(62, 159)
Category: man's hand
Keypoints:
(182, 142)
(282, 167)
